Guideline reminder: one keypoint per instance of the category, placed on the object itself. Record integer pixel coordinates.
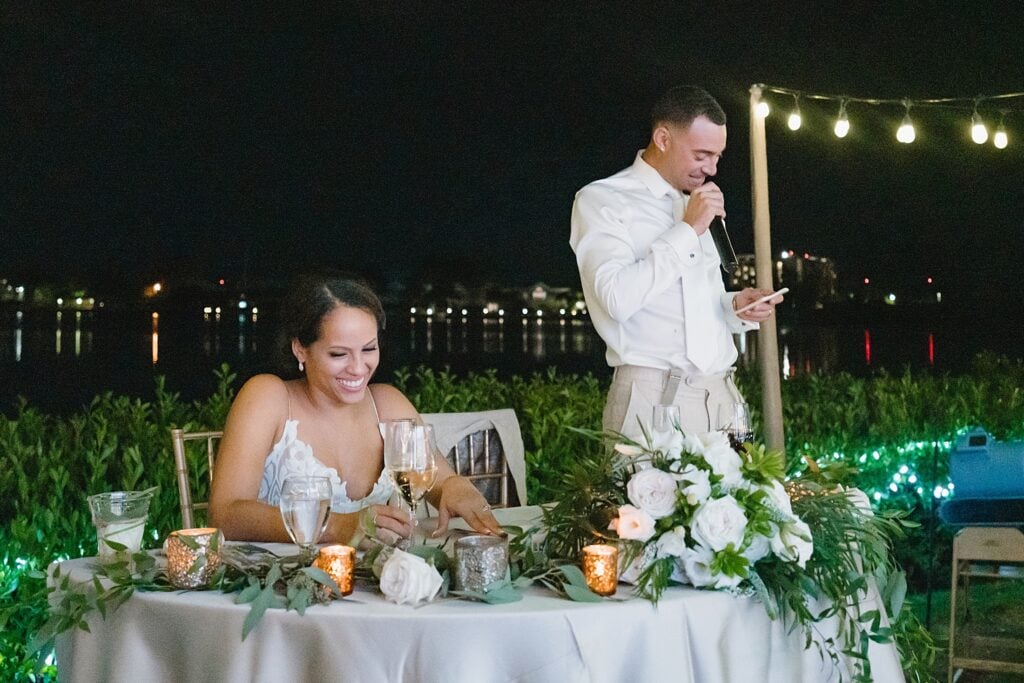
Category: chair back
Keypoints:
(181, 439)
(486, 447)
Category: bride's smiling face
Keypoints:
(345, 356)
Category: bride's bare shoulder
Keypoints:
(391, 403)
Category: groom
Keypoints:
(651, 274)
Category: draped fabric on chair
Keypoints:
(487, 448)
(180, 440)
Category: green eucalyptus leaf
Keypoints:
(579, 594)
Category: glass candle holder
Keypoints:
(479, 561)
(338, 562)
(193, 555)
(601, 568)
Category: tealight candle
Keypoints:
(193, 555)
(601, 568)
(338, 562)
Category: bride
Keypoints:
(325, 423)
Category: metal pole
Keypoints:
(767, 340)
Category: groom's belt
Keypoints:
(671, 378)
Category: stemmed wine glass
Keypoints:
(734, 420)
(305, 507)
(410, 458)
(665, 419)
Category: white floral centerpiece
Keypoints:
(689, 509)
(703, 514)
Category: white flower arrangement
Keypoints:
(703, 514)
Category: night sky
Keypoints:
(411, 141)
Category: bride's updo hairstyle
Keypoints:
(311, 298)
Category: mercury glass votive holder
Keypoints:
(601, 568)
(338, 562)
(479, 560)
(193, 555)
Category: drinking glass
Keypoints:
(410, 458)
(665, 419)
(305, 507)
(734, 420)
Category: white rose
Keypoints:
(779, 498)
(698, 487)
(633, 524)
(793, 542)
(719, 522)
(653, 491)
(724, 462)
(408, 579)
(759, 547)
(697, 564)
(714, 440)
(672, 543)
(692, 444)
(669, 442)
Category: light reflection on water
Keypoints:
(99, 352)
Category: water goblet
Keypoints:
(734, 420)
(665, 418)
(305, 508)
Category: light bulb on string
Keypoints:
(979, 133)
(794, 117)
(842, 123)
(999, 139)
(906, 133)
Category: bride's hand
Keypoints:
(459, 498)
(391, 523)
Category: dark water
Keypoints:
(59, 362)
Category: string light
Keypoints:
(842, 123)
(794, 116)
(974, 106)
(906, 133)
(979, 133)
(999, 139)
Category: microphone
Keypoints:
(723, 245)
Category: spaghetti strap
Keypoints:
(289, 392)
(374, 404)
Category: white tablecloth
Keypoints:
(691, 635)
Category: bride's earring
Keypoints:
(302, 366)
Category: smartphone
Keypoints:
(761, 300)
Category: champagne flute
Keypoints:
(305, 507)
(734, 420)
(411, 462)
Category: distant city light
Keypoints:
(464, 311)
(220, 281)
(412, 310)
(243, 304)
(157, 287)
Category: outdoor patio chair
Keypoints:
(180, 440)
(487, 448)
